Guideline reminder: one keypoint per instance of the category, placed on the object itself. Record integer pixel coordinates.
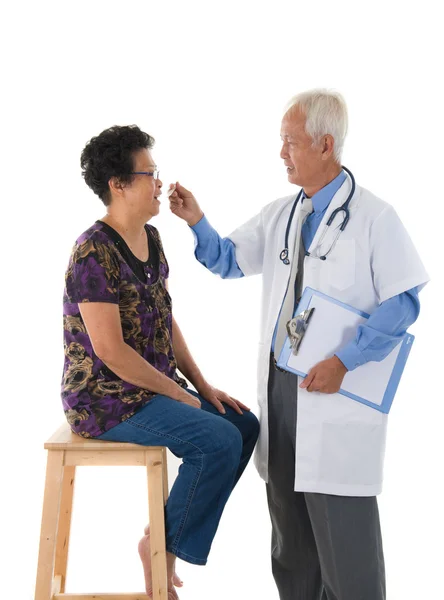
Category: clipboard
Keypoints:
(332, 326)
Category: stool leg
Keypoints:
(155, 471)
(165, 475)
(50, 517)
(62, 545)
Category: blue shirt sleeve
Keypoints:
(383, 330)
(216, 254)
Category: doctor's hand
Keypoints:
(217, 397)
(325, 377)
(184, 205)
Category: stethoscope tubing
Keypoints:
(344, 208)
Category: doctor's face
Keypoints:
(304, 162)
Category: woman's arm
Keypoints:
(102, 321)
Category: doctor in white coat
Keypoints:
(319, 452)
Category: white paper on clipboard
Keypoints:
(331, 327)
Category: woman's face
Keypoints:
(143, 193)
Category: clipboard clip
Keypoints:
(296, 328)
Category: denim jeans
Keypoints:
(215, 449)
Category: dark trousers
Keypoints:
(324, 547)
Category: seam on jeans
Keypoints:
(160, 434)
(193, 484)
(171, 437)
(187, 506)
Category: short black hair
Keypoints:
(110, 154)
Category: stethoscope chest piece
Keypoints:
(284, 256)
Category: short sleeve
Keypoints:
(396, 265)
(93, 273)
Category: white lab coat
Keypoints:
(340, 443)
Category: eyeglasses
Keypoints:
(155, 173)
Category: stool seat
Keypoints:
(65, 439)
(66, 451)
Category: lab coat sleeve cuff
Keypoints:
(403, 286)
(351, 356)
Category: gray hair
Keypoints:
(326, 113)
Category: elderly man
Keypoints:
(320, 452)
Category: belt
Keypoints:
(276, 365)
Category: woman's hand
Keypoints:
(184, 205)
(217, 397)
(186, 398)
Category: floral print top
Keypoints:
(94, 398)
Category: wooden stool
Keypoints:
(66, 451)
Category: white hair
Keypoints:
(326, 113)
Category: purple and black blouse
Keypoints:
(103, 269)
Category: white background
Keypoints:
(208, 80)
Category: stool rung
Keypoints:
(127, 596)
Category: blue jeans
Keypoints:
(215, 449)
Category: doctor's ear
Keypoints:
(328, 145)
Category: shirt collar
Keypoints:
(325, 195)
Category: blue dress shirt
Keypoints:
(375, 339)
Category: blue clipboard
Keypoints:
(390, 385)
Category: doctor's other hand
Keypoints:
(325, 377)
(184, 205)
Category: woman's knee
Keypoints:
(251, 425)
(236, 442)
(225, 437)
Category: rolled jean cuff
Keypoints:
(186, 557)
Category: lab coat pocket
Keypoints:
(341, 264)
(352, 453)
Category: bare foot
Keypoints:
(177, 581)
(145, 556)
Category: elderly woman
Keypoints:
(123, 348)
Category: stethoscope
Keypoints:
(344, 208)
